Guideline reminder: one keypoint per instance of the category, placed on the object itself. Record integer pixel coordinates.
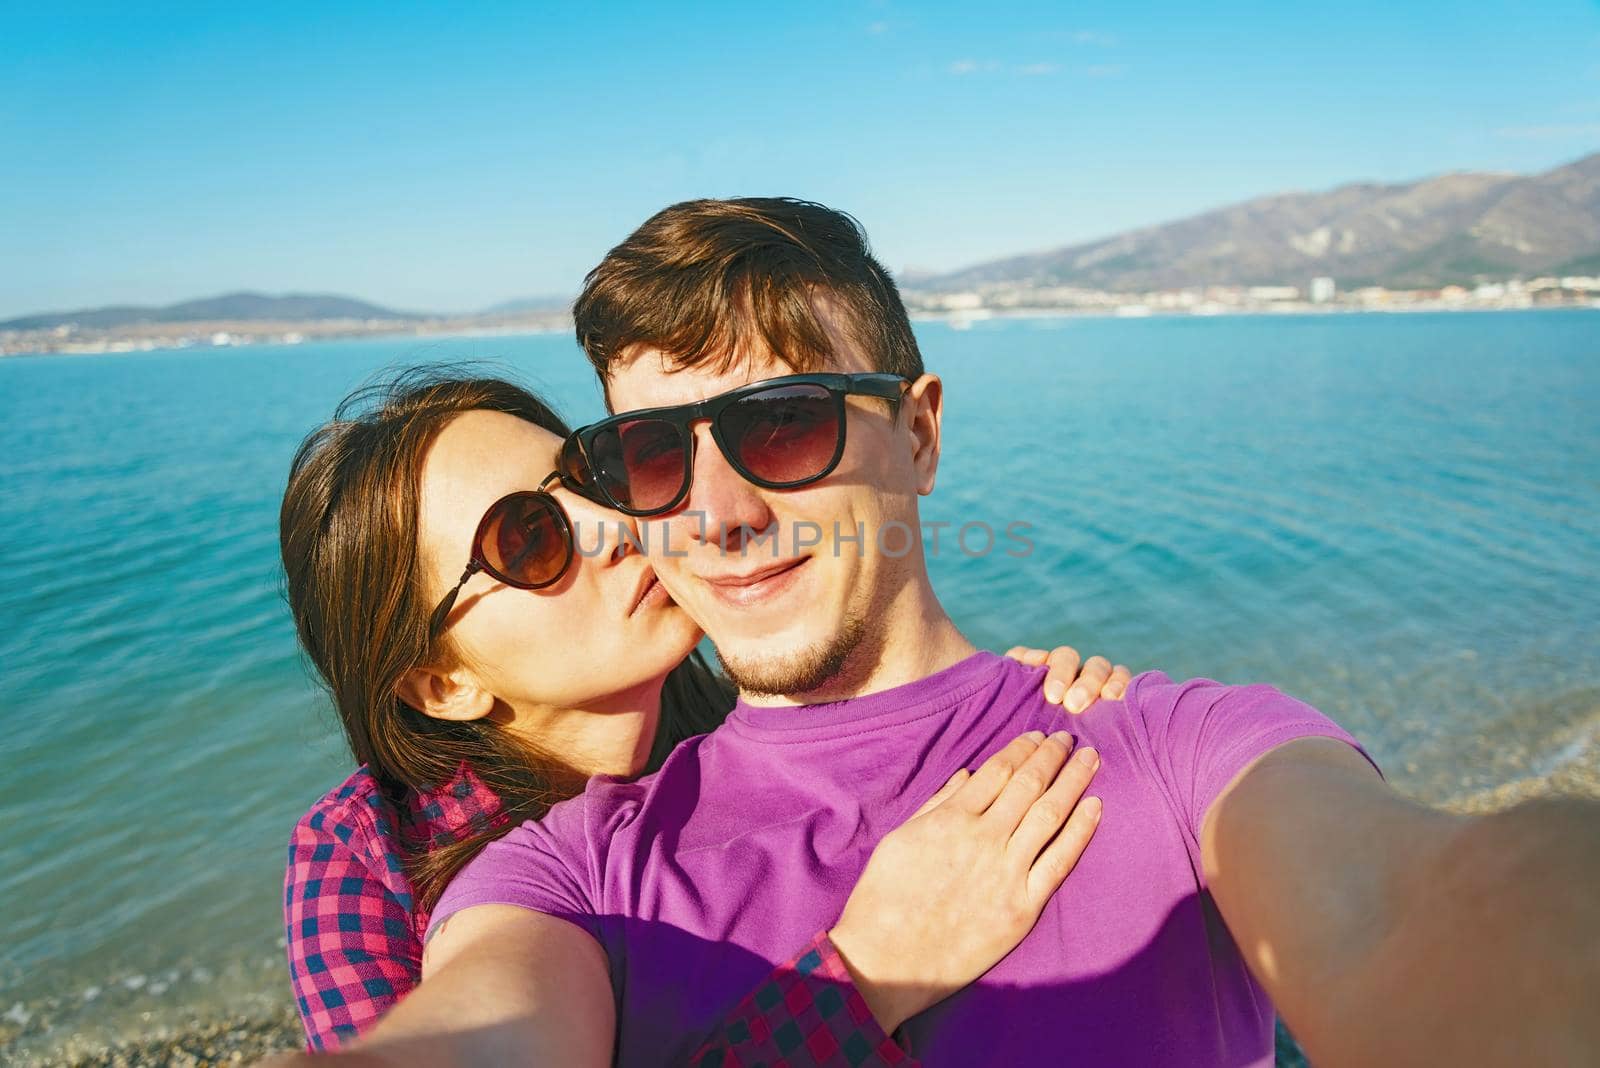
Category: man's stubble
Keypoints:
(849, 651)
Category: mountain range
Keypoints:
(1459, 228)
(1456, 228)
(230, 307)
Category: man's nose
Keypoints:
(726, 507)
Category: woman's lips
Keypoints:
(655, 596)
(651, 593)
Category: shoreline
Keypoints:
(242, 1039)
(274, 335)
(962, 320)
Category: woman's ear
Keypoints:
(444, 694)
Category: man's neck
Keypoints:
(912, 638)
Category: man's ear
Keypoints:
(444, 694)
(923, 409)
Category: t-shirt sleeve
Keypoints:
(1202, 734)
(543, 865)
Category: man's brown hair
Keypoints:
(709, 282)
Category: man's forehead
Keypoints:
(648, 378)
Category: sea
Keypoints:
(1394, 517)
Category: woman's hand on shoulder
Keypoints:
(1073, 682)
(956, 887)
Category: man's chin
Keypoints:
(792, 668)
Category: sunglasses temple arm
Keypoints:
(440, 614)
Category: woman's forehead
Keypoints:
(481, 456)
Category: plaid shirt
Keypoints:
(355, 936)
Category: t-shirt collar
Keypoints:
(898, 704)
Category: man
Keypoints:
(1250, 855)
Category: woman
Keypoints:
(472, 705)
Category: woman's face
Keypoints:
(587, 643)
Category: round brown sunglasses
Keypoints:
(524, 540)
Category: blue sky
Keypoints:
(445, 157)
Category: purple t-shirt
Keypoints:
(699, 879)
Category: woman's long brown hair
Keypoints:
(357, 590)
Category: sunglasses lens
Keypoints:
(524, 540)
(784, 435)
(642, 464)
(574, 468)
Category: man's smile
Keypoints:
(750, 588)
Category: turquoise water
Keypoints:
(1391, 516)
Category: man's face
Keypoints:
(790, 605)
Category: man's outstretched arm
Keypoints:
(1391, 933)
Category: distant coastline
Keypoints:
(964, 319)
(163, 337)
(1322, 296)
(225, 334)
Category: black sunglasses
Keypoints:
(523, 540)
(780, 433)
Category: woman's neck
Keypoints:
(611, 735)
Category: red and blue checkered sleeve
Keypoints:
(352, 949)
(808, 1012)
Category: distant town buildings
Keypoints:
(1320, 295)
(144, 337)
(961, 309)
